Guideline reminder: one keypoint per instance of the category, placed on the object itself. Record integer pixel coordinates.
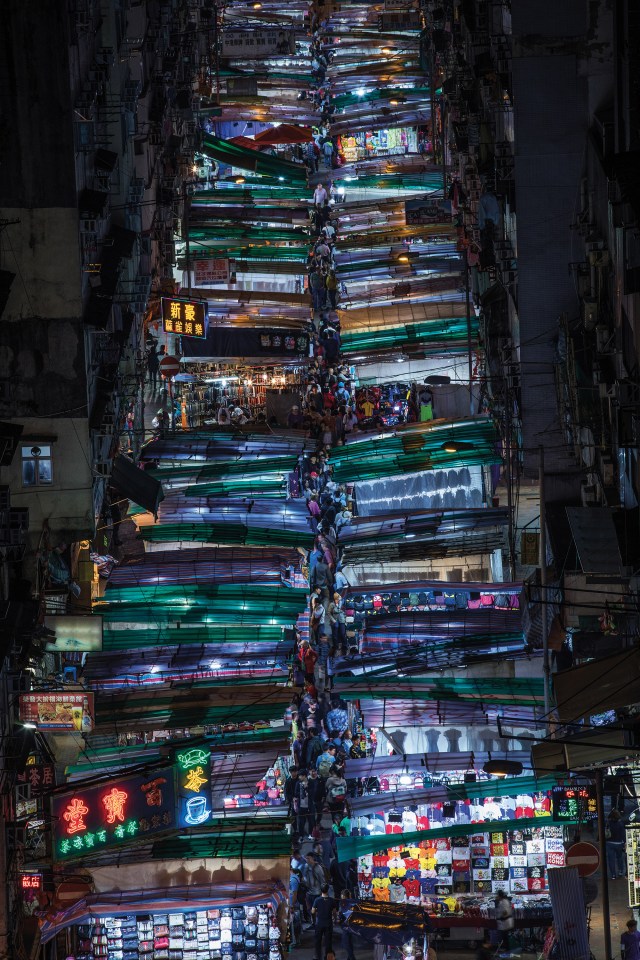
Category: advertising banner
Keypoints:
(83, 634)
(213, 271)
(59, 711)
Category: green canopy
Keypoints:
(226, 468)
(428, 182)
(388, 93)
(441, 336)
(247, 159)
(512, 691)
(243, 194)
(233, 844)
(419, 448)
(222, 232)
(269, 487)
(226, 533)
(165, 636)
(348, 848)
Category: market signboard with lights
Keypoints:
(66, 710)
(88, 820)
(574, 803)
(188, 317)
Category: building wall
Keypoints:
(66, 505)
(43, 250)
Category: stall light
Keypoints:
(456, 446)
(154, 669)
(240, 180)
(405, 780)
(341, 191)
(257, 6)
(215, 665)
(503, 768)
(29, 726)
(281, 179)
(360, 92)
(409, 536)
(403, 259)
(389, 49)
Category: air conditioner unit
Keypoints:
(590, 493)
(607, 471)
(590, 313)
(604, 339)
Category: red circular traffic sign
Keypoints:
(169, 367)
(584, 856)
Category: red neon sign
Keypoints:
(114, 804)
(75, 814)
(31, 881)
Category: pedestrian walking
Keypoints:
(323, 912)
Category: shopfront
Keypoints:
(395, 141)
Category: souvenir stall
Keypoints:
(461, 837)
(390, 142)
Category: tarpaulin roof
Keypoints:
(496, 690)
(103, 760)
(206, 564)
(245, 142)
(252, 843)
(421, 447)
(511, 786)
(434, 336)
(247, 159)
(285, 133)
(361, 319)
(197, 705)
(160, 635)
(192, 897)
(348, 848)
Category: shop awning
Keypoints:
(284, 134)
(367, 319)
(246, 159)
(161, 900)
(137, 485)
(228, 845)
(512, 786)
(349, 848)
(434, 336)
(160, 635)
(206, 565)
(525, 691)
(245, 142)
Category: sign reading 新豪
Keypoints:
(188, 317)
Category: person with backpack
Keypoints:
(336, 790)
(326, 761)
(305, 816)
(314, 880)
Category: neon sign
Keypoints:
(31, 881)
(74, 815)
(125, 810)
(194, 790)
(114, 804)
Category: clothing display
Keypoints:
(227, 933)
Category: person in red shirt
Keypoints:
(308, 658)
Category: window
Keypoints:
(37, 466)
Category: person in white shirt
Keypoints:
(320, 196)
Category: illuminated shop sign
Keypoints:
(193, 772)
(574, 803)
(31, 881)
(58, 711)
(187, 317)
(112, 814)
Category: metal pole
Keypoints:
(604, 873)
(467, 302)
(543, 587)
(185, 230)
(509, 479)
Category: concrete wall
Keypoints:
(43, 250)
(66, 504)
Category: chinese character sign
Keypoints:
(188, 318)
(40, 777)
(193, 771)
(58, 711)
(113, 813)
(215, 270)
